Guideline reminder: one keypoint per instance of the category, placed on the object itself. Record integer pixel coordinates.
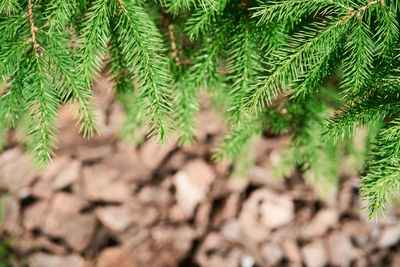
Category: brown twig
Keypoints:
(165, 21)
(36, 46)
(357, 12)
(175, 52)
(3, 88)
(281, 101)
(121, 6)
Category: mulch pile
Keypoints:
(104, 202)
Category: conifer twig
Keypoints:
(146, 63)
(175, 52)
(361, 9)
(36, 45)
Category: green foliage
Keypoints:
(243, 64)
(186, 105)
(141, 49)
(318, 158)
(175, 6)
(381, 182)
(9, 7)
(202, 19)
(317, 70)
(357, 65)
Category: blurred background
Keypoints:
(107, 202)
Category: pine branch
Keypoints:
(59, 14)
(201, 20)
(244, 64)
(292, 10)
(317, 157)
(206, 63)
(95, 34)
(387, 32)
(381, 184)
(187, 106)
(384, 101)
(203, 72)
(42, 101)
(175, 6)
(237, 141)
(11, 54)
(146, 63)
(13, 37)
(311, 80)
(294, 62)
(12, 102)
(358, 64)
(9, 7)
(125, 89)
(71, 87)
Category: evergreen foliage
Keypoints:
(318, 70)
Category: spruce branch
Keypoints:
(244, 66)
(43, 103)
(95, 34)
(387, 32)
(42, 100)
(381, 183)
(367, 111)
(10, 28)
(175, 6)
(187, 106)
(201, 20)
(309, 152)
(71, 87)
(186, 102)
(292, 10)
(358, 64)
(9, 7)
(73, 83)
(13, 37)
(146, 63)
(206, 63)
(311, 80)
(11, 55)
(11, 99)
(239, 139)
(125, 89)
(203, 72)
(60, 13)
(294, 63)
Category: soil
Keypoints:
(106, 202)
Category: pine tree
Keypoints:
(318, 70)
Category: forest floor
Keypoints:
(106, 203)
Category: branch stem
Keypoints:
(36, 46)
(175, 52)
(361, 9)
